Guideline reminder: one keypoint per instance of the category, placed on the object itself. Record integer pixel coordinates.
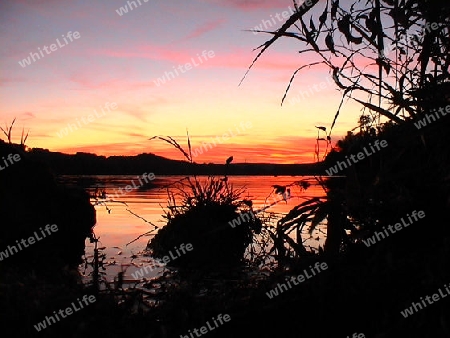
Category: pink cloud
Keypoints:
(238, 58)
(88, 80)
(144, 52)
(252, 5)
(205, 28)
(55, 8)
(7, 80)
(135, 111)
(27, 115)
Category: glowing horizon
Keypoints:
(167, 69)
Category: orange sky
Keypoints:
(118, 59)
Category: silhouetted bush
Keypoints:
(204, 220)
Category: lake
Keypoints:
(121, 221)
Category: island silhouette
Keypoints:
(83, 163)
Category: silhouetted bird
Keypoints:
(229, 159)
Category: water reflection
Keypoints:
(131, 212)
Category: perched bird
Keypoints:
(229, 159)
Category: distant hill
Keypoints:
(91, 164)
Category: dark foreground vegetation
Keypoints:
(364, 288)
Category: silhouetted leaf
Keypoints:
(346, 91)
(291, 21)
(311, 25)
(334, 7)
(189, 145)
(323, 17)
(344, 27)
(380, 110)
(298, 216)
(335, 76)
(293, 76)
(371, 24)
(330, 43)
(286, 34)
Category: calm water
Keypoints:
(116, 225)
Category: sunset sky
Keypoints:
(117, 60)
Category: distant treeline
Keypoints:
(91, 164)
